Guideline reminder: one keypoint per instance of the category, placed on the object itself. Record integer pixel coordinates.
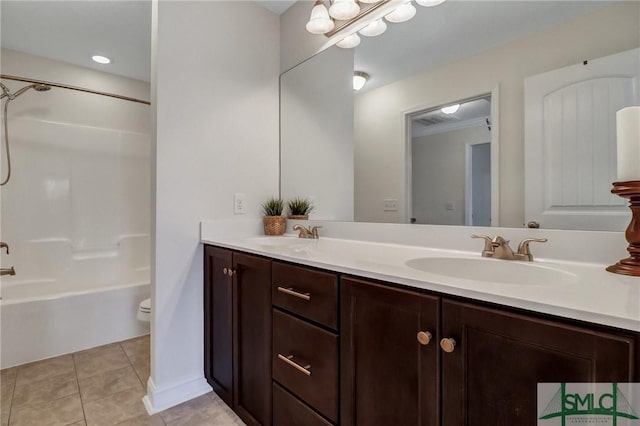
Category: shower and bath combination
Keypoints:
(6, 93)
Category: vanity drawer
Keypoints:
(308, 293)
(290, 411)
(305, 361)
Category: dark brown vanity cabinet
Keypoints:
(491, 376)
(290, 345)
(389, 377)
(482, 368)
(237, 339)
(305, 345)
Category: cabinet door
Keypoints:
(218, 322)
(252, 322)
(388, 376)
(491, 376)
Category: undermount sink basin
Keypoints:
(493, 270)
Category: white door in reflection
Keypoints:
(570, 142)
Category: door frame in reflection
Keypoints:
(408, 115)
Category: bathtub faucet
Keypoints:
(7, 271)
(4, 246)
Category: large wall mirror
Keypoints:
(391, 153)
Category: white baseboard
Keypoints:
(160, 398)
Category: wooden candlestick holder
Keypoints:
(631, 265)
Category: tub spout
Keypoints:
(7, 271)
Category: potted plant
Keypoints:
(274, 222)
(299, 208)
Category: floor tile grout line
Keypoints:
(75, 370)
(135, 370)
(13, 392)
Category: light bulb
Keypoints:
(429, 3)
(375, 28)
(402, 13)
(349, 41)
(344, 9)
(359, 80)
(451, 109)
(319, 22)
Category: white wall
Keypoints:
(379, 145)
(438, 169)
(317, 155)
(215, 78)
(296, 43)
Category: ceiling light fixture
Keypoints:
(375, 28)
(359, 80)
(429, 3)
(101, 59)
(349, 41)
(364, 16)
(320, 22)
(402, 13)
(451, 109)
(344, 9)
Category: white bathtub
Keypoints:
(76, 299)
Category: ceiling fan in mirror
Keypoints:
(349, 18)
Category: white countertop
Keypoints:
(585, 291)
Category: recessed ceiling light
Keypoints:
(101, 59)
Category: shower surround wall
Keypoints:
(76, 212)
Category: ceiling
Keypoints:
(276, 6)
(456, 29)
(121, 30)
(73, 31)
(473, 112)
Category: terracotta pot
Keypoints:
(275, 225)
(299, 217)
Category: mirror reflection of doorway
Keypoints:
(450, 153)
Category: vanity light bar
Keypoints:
(351, 17)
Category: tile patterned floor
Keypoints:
(102, 386)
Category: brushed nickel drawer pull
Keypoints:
(290, 291)
(289, 360)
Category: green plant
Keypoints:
(300, 206)
(273, 207)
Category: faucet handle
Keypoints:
(487, 242)
(4, 245)
(314, 231)
(304, 232)
(523, 248)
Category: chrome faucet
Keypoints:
(7, 271)
(304, 232)
(498, 248)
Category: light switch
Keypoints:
(239, 203)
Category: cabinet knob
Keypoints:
(231, 272)
(424, 337)
(225, 271)
(448, 344)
